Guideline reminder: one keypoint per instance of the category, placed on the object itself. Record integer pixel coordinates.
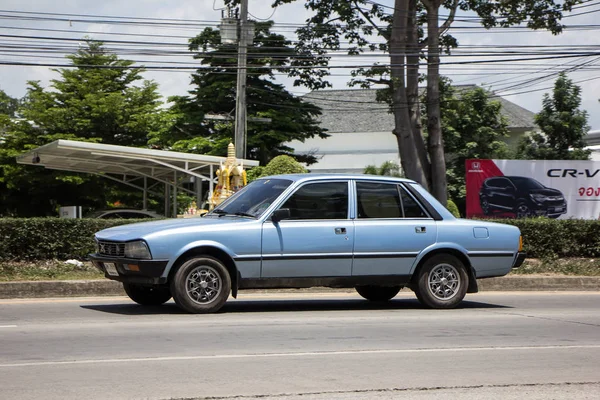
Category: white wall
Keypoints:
(350, 152)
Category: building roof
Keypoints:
(356, 110)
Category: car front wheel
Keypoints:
(147, 295)
(378, 293)
(441, 282)
(201, 285)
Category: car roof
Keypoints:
(323, 176)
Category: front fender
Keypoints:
(193, 245)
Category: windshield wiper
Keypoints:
(222, 213)
(243, 214)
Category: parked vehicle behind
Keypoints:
(375, 234)
(521, 196)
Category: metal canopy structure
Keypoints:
(133, 166)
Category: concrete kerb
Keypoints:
(87, 288)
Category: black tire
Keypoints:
(201, 285)
(147, 295)
(522, 210)
(442, 282)
(378, 293)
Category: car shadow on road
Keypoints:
(265, 306)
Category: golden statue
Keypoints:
(231, 177)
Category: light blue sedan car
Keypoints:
(375, 234)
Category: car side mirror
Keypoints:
(282, 213)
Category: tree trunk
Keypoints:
(410, 161)
(434, 128)
(412, 88)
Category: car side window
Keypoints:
(504, 183)
(494, 182)
(378, 200)
(323, 200)
(412, 209)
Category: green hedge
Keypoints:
(29, 239)
(549, 239)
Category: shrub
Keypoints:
(278, 166)
(50, 238)
(451, 206)
(28, 239)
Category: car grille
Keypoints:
(111, 248)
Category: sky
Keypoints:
(523, 83)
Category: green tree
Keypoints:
(563, 126)
(279, 165)
(214, 92)
(99, 99)
(388, 168)
(474, 127)
(8, 105)
(359, 26)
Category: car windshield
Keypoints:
(526, 183)
(253, 199)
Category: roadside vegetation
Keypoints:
(37, 248)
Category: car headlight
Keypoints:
(138, 249)
(96, 246)
(539, 197)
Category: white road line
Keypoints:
(8, 326)
(299, 354)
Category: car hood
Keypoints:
(546, 192)
(145, 229)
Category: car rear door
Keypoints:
(391, 229)
(317, 239)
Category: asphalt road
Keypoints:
(304, 346)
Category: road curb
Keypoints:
(33, 289)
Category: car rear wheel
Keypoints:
(201, 285)
(442, 282)
(147, 295)
(378, 293)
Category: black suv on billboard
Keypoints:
(522, 196)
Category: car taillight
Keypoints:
(520, 243)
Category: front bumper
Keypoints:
(519, 259)
(132, 270)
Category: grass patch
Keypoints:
(46, 270)
(58, 270)
(561, 266)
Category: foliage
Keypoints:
(51, 238)
(214, 92)
(358, 27)
(474, 127)
(388, 168)
(563, 126)
(451, 206)
(8, 105)
(100, 99)
(280, 165)
(28, 239)
(546, 238)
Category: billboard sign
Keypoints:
(527, 188)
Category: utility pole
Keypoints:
(240, 104)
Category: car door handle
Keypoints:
(340, 231)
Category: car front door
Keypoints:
(391, 229)
(316, 240)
